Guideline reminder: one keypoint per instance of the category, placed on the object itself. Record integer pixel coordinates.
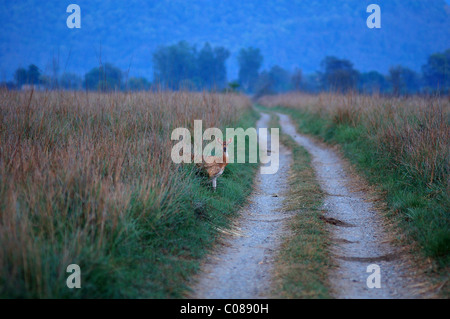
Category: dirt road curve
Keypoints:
(359, 238)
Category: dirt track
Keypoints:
(358, 233)
(242, 267)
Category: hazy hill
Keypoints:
(290, 33)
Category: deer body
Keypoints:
(215, 165)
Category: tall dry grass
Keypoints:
(74, 164)
(413, 132)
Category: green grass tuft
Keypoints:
(303, 262)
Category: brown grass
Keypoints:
(71, 163)
(412, 131)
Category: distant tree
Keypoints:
(138, 84)
(175, 64)
(46, 81)
(21, 77)
(264, 84)
(33, 74)
(412, 81)
(395, 77)
(403, 80)
(296, 80)
(372, 82)
(281, 79)
(436, 72)
(250, 61)
(104, 78)
(206, 66)
(221, 55)
(338, 74)
(211, 66)
(274, 81)
(313, 82)
(182, 66)
(70, 81)
(233, 86)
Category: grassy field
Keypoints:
(303, 261)
(87, 178)
(400, 144)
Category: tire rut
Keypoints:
(358, 233)
(241, 268)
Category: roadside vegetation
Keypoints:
(87, 179)
(401, 145)
(303, 261)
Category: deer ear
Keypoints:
(219, 140)
(230, 140)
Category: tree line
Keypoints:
(183, 66)
(339, 75)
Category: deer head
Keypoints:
(224, 143)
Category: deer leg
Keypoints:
(214, 183)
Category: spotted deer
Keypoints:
(215, 165)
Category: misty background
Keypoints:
(292, 35)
